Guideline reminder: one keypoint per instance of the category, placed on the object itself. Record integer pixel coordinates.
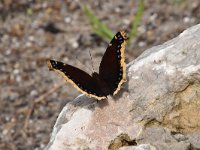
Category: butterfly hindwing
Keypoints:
(112, 67)
(78, 78)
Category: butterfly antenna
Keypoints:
(91, 61)
(82, 64)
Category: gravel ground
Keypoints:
(32, 31)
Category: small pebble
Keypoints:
(8, 52)
(117, 10)
(33, 93)
(186, 19)
(67, 19)
(16, 71)
(31, 38)
(18, 79)
(142, 44)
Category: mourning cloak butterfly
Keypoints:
(112, 71)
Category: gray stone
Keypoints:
(139, 147)
(161, 97)
(180, 137)
(162, 139)
(194, 139)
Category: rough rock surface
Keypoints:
(158, 105)
(140, 147)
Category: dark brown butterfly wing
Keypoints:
(113, 68)
(78, 78)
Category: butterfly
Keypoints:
(112, 71)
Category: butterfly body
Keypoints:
(102, 85)
(112, 71)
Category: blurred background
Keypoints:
(31, 31)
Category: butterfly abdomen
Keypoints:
(103, 86)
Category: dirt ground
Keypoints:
(32, 31)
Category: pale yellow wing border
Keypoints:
(122, 62)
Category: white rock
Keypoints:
(161, 97)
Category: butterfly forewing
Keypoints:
(112, 67)
(78, 78)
